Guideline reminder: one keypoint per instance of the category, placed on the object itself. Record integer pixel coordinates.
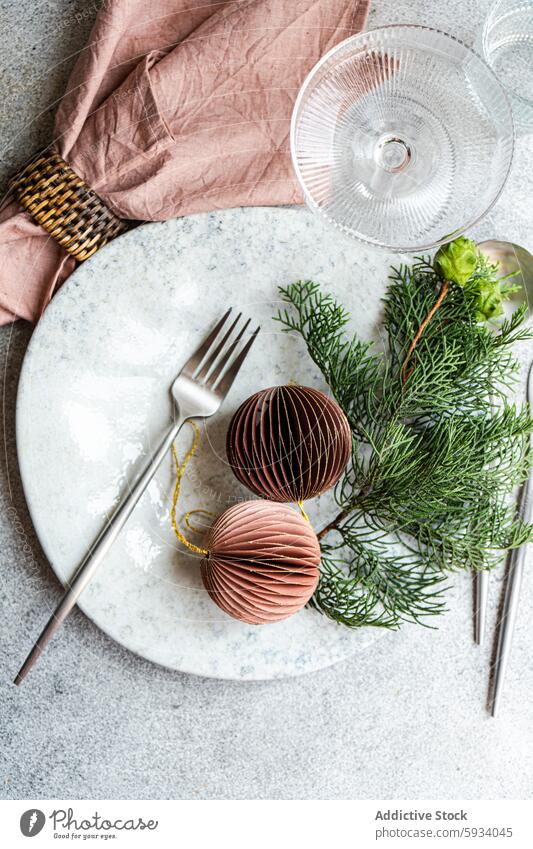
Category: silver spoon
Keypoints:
(516, 260)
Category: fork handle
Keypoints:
(99, 550)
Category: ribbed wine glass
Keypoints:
(402, 137)
(507, 46)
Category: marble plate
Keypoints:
(93, 400)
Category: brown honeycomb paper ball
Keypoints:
(289, 443)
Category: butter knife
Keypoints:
(513, 584)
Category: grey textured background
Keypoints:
(404, 720)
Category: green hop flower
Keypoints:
(489, 302)
(456, 261)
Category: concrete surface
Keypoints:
(404, 720)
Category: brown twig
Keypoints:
(442, 294)
(333, 524)
(342, 515)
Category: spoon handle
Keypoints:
(482, 584)
(481, 589)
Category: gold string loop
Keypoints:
(191, 527)
(180, 469)
(302, 511)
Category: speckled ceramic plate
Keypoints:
(93, 400)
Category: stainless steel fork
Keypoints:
(198, 392)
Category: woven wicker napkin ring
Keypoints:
(61, 202)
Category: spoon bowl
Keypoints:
(516, 260)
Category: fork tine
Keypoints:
(224, 384)
(217, 371)
(206, 368)
(196, 359)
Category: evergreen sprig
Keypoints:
(435, 456)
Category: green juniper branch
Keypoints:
(433, 463)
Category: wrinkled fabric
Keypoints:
(176, 107)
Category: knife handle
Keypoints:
(507, 622)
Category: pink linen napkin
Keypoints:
(176, 107)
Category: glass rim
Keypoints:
(359, 37)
